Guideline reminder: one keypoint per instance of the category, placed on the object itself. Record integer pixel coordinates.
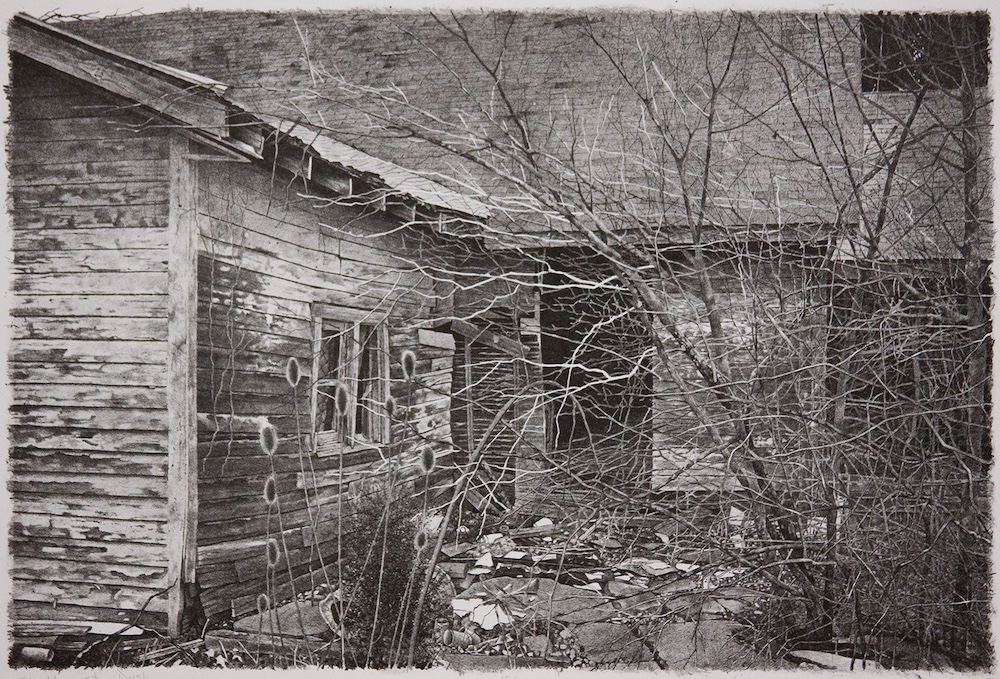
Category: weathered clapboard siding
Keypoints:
(266, 256)
(486, 378)
(765, 322)
(88, 202)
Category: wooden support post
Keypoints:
(470, 428)
(182, 436)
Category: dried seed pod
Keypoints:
(420, 540)
(263, 603)
(427, 461)
(268, 438)
(292, 372)
(341, 399)
(273, 552)
(390, 406)
(270, 490)
(408, 359)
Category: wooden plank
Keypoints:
(109, 306)
(440, 340)
(96, 150)
(34, 610)
(80, 219)
(81, 261)
(29, 502)
(136, 553)
(181, 367)
(93, 595)
(104, 462)
(65, 103)
(121, 124)
(82, 171)
(88, 484)
(89, 328)
(89, 283)
(89, 418)
(48, 526)
(473, 333)
(80, 59)
(68, 438)
(66, 571)
(88, 351)
(103, 374)
(79, 195)
(89, 396)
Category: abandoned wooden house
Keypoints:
(173, 294)
(225, 322)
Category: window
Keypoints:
(909, 51)
(352, 382)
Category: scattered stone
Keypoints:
(832, 661)
(294, 619)
(608, 644)
(543, 599)
(641, 565)
(537, 644)
(638, 604)
(703, 644)
(618, 588)
(467, 662)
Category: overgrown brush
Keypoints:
(382, 568)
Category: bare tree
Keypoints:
(825, 333)
(751, 255)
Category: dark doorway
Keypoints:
(596, 349)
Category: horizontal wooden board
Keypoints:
(73, 438)
(101, 485)
(89, 328)
(35, 610)
(64, 104)
(104, 128)
(96, 216)
(141, 509)
(89, 396)
(24, 460)
(39, 174)
(94, 595)
(64, 570)
(117, 418)
(93, 150)
(103, 260)
(110, 306)
(89, 351)
(54, 526)
(95, 551)
(106, 374)
(90, 283)
(76, 195)
(232, 317)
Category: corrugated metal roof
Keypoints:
(406, 182)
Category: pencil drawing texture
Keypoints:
(606, 339)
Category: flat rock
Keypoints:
(638, 604)
(699, 645)
(606, 644)
(468, 662)
(294, 619)
(832, 661)
(537, 644)
(542, 599)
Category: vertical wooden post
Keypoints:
(470, 429)
(182, 436)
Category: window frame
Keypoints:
(345, 438)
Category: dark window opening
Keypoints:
(910, 51)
